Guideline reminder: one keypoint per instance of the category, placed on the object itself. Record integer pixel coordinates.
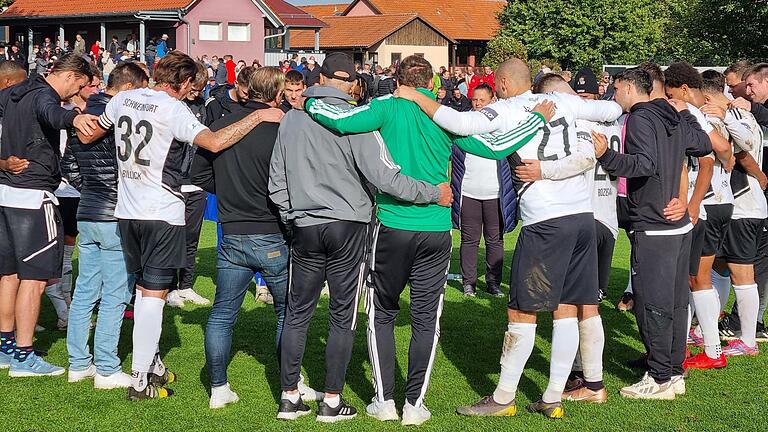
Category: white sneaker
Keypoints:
(415, 416)
(191, 296)
(648, 388)
(174, 299)
(114, 381)
(307, 392)
(678, 384)
(222, 396)
(384, 411)
(76, 376)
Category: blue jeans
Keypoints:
(102, 280)
(239, 257)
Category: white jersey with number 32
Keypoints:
(152, 133)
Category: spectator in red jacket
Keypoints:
(488, 77)
(473, 80)
(230, 65)
(95, 50)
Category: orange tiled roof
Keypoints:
(42, 8)
(322, 10)
(459, 20)
(352, 31)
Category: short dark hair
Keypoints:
(760, 69)
(73, 63)
(484, 86)
(10, 67)
(415, 71)
(546, 81)
(654, 70)
(712, 81)
(738, 68)
(639, 77)
(294, 77)
(680, 73)
(126, 73)
(175, 69)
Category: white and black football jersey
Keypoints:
(153, 132)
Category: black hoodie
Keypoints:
(240, 176)
(760, 111)
(32, 120)
(656, 142)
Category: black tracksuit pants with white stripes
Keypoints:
(399, 257)
(335, 252)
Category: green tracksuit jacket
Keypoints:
(421, 149)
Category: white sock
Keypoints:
(748, 302)
(518, 346)
(591, 343)
(708, 310)
(332, 402)
(57, 299)
(293, 397)
(157, 367)
(565, 343)
(147, 327)
(721, 284)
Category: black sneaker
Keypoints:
(151, 391)
(494, 290)
(326, 414)
(291, 411)
(160, 380)
(626, 303)
(761, 334)
(729, 327)
(469, 290)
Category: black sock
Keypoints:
(594, 386)
(22, 353)
(575, 374)
(7, 342)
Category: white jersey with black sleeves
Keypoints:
(748, 197)
(603, 186)
(543, 199)
(152, 133)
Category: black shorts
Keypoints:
(622, 212)
(68, 211)
(31, 242)
(555, 262)
(761, 263)
(742, 240)
(605, 243)
(698, 237)
(154, 250)
(718, 220)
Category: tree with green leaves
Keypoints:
(502, 47)
(588, 33)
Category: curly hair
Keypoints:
(680, 73)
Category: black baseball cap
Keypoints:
(585, 82)
(339, 66)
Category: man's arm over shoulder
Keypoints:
(50, 113)
(499, 145)
(485, 121)
(698, 143)
(591, 110)
(375, 162)
(367, 118)
(761, 113)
